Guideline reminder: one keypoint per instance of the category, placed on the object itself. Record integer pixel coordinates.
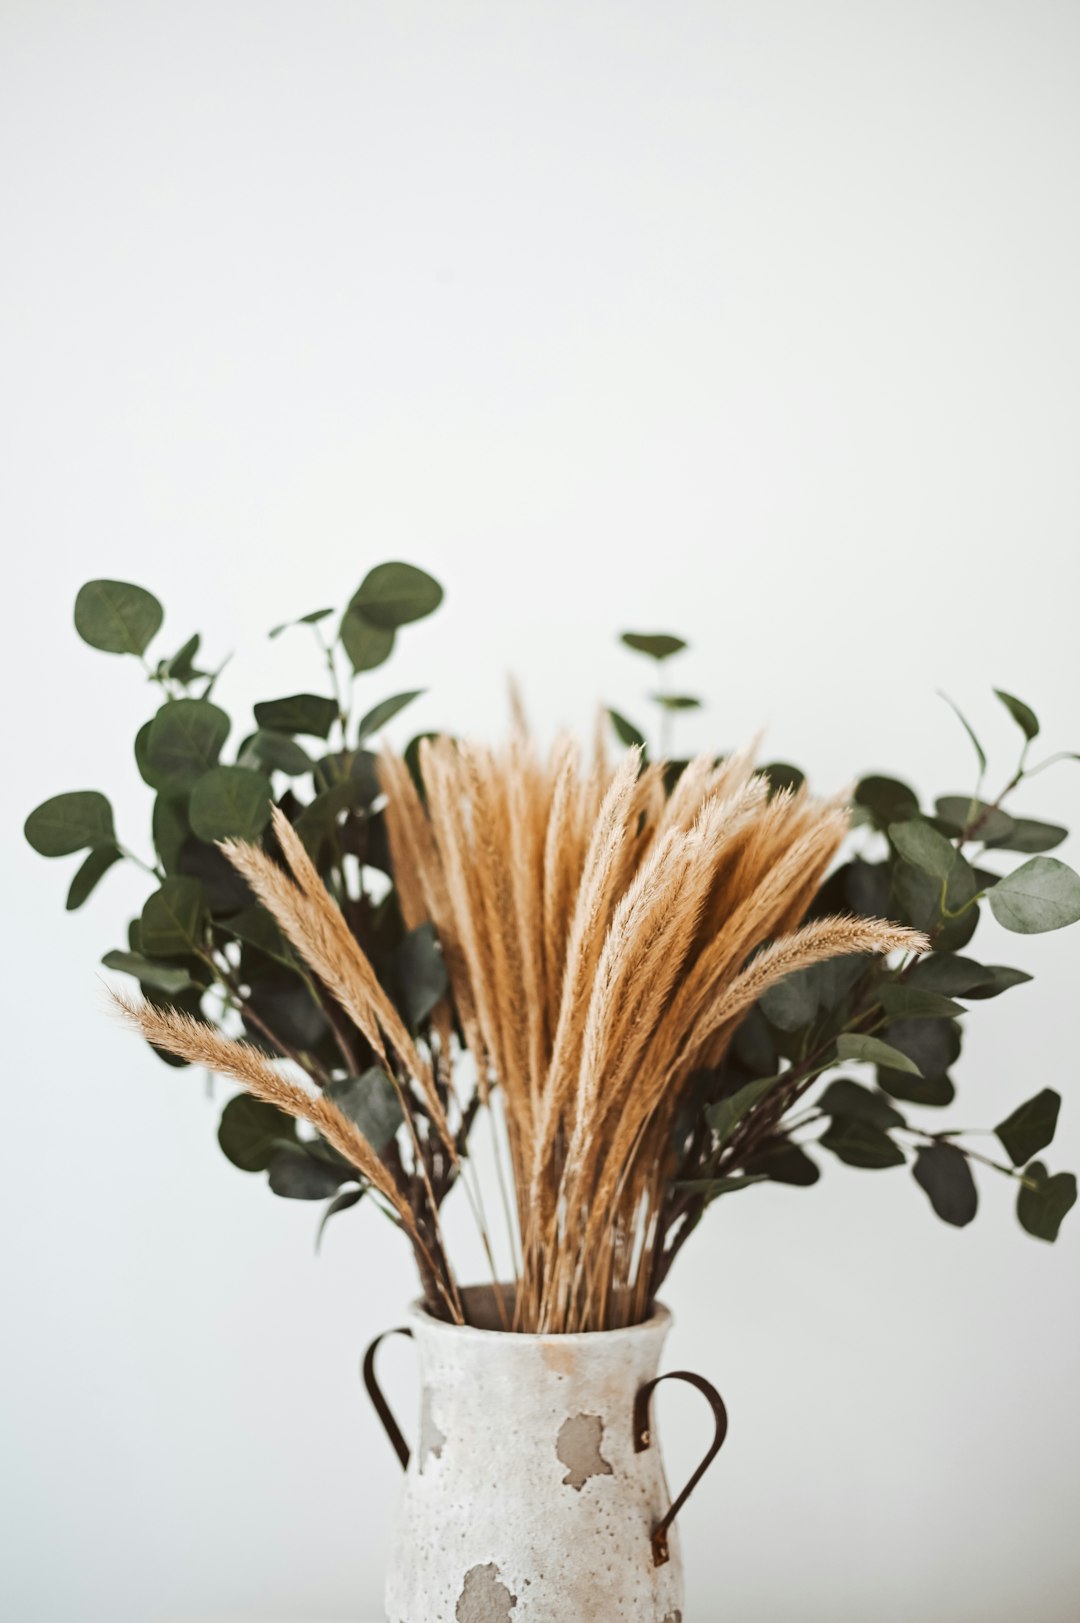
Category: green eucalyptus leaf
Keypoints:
(1042, 894)
(949, 974)
(782, 775)
(69, 823)
(162, 977)
(96, 866)
(172, 919)
(181, 667)
(931, 1044)
(844, 1097)
(230, 802)
(999, 978)
(915, 1003)
(793, 1002)
(372, 1102)
(923, 847)
(784, 1162)
(962, 719)
(676, 701)
(421, 974)
(887, 800)
(1023, 715)
(860, 1143)
(256, 927)
(184, 741)
(308, 713)
(299, 1175)
(117, 617)
(1042, 1209)
(872, 1051)
(724, 1116)
(625, 731)
(380, 714)
(1030, 1127)
(974, 818)
(368, 646)
(251, 1133)
(943, 1173)
(1030, 837)
(396, 594)
(711, 1188)
(657, 644)
(918, 895)
(275, 752)
(170, 829)
(311, 619)
(937, 1091)
(340, 1203)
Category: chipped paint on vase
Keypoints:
(524, 1500)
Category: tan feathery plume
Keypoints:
(313, 922)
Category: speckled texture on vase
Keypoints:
(524, 1500)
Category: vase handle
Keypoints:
(379, 1403)
(643, 1440)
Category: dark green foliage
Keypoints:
(116, 617)
(1043, 1200)
(943, 1172)
(1030, 1127)
(201, 928)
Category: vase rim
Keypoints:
(659, 1321)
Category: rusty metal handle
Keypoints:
(379, 1403)
(643, 1440)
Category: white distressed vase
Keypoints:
(535, 1492)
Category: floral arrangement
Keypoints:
(652, 975)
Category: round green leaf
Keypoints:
(861, 1144)
(965, 812)
(275, 752)
(251, 1132)
(923, 847)
(942, 1171)
(657, 644)
(69, 823)
(887, 800)
(371, 1101)
(1031, 1127)
(296, 1175)
(367, 645)
(230, 802)
(183, 742)
(843, 1097)
(782, 775)
(1042, 1209)
(1030, 836)
(1043, 894)
(117, 617)
(395, 594)
(172, 919)
(421, 974)
(97, 864)
(308, 713)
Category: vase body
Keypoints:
(525, 1500)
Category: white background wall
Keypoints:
(751, 321)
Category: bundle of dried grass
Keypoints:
(602, 938)
(604, 934)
